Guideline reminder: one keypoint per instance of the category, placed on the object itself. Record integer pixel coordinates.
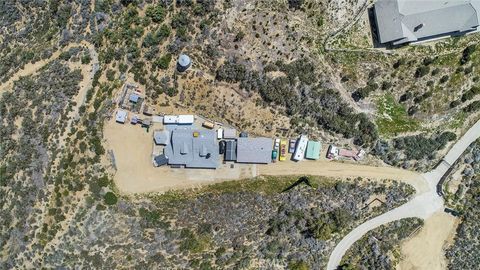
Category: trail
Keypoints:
(32, 68)
(423, 205)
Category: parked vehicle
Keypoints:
(283, 150)
(221, 147)
(274, 155)
(291, 146)
(277, 144)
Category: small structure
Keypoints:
(208, 124)
(178, 119)
(121, 116)
(134, 120)
(161, 137)
(254, 150)
(147, 110)
(183, 63)
(220, 133)
(134, 97)
(299, 153)
(243, 134)
(313, 150)
(160, 160)
(229, 133)
(146, 123)
(230, 151)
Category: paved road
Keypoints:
(423, 205)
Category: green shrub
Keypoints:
(110, 198)
(156, 13)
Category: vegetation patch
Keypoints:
(392, 118)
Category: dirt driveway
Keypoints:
(132, 147)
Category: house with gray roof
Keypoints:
(193, 148)
(404, 21)
(254, 150)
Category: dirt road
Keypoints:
(343, 170)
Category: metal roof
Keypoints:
(230, 150)
(121, 116)
(313, 150)
(193, 152)
(229, 133)
(402, 21)
(161, 137)
(134, 97)
(160, 160)
(254, 150)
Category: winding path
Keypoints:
(423, 205)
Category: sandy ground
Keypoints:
(425, 249)
(132, 147)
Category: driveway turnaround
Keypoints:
(423, 205)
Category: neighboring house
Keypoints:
(404, 21)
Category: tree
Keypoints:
(156, 13)
(110, 198)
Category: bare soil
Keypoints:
(425, 250)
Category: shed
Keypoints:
(230, 151)
(146, 123)
(160, 160)
(229, 133)
(134, 120)
(121, 116)
(147, 110)
(313, 150)
(134, 97)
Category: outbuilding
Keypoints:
(313, 150)
(121, 116)
(160, 160)
(134, 97)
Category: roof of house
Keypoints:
(230, 150)
(313, 150)
(401, 21)
(134, 97)
(229, 133)
(161, 137)
(254, 150)
(193, 152)
(121, 116)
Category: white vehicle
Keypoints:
(277, 144)
(299, 153)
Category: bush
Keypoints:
(422, 71)
(156, 13)
(110, 198)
